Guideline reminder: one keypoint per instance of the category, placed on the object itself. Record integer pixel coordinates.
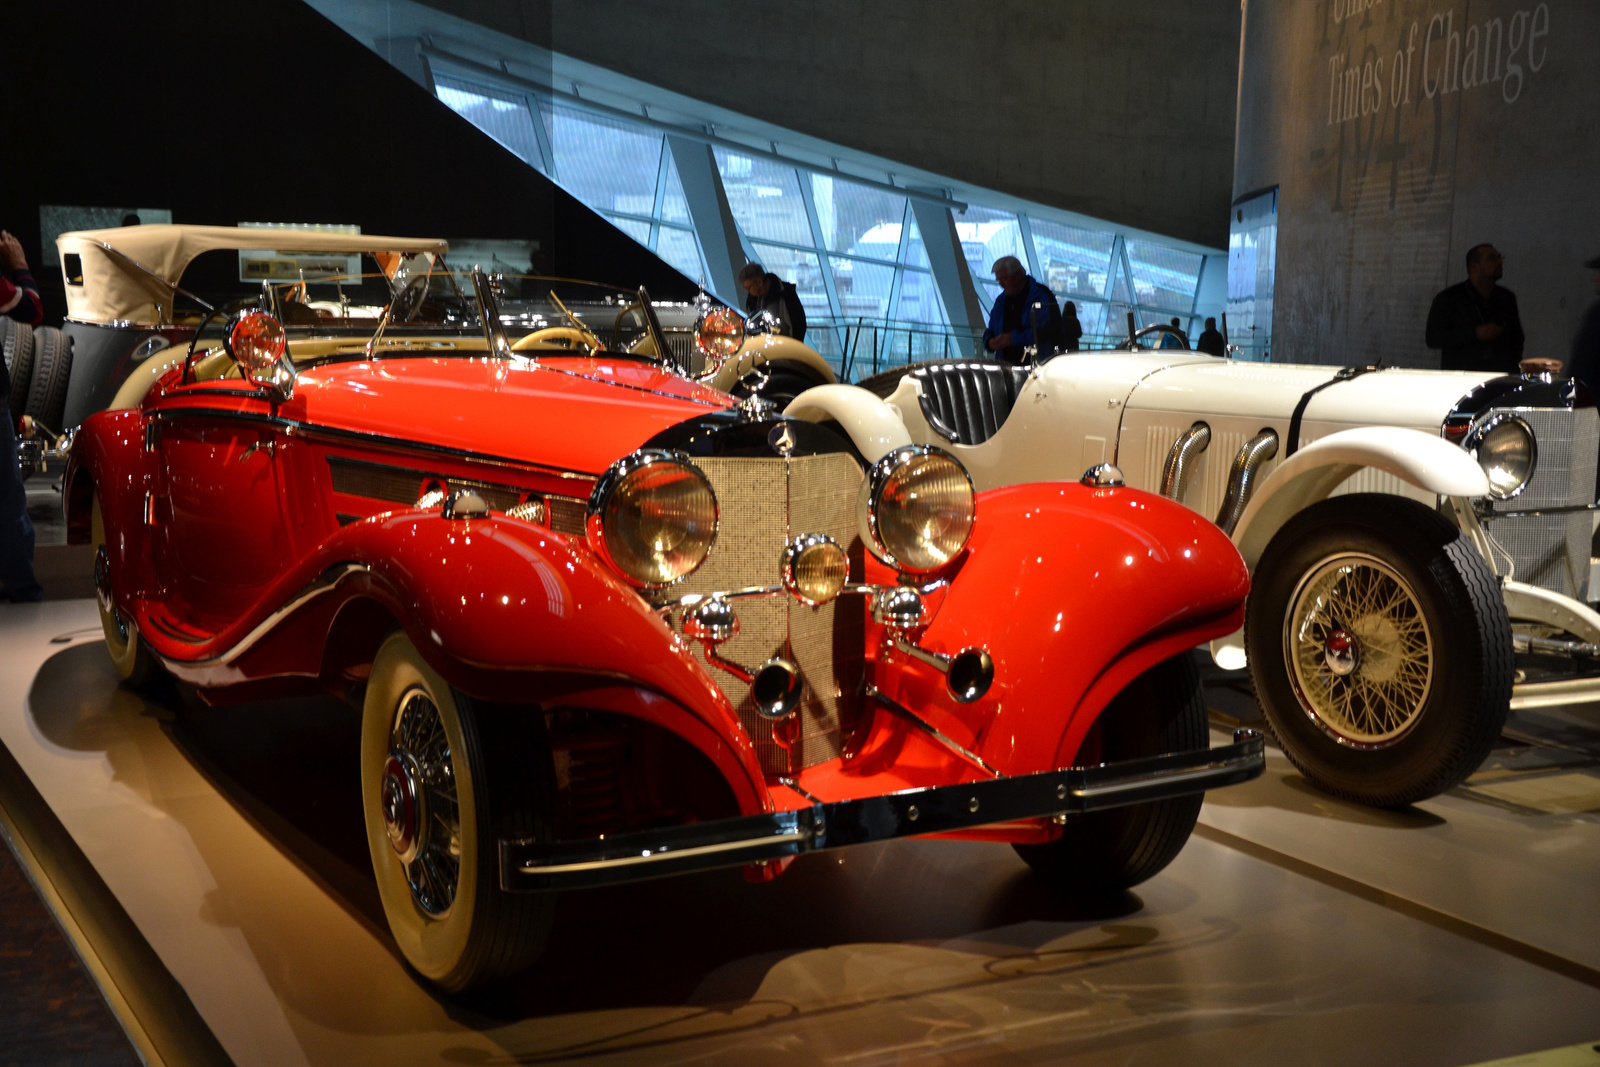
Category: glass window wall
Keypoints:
(852, 249)
(503, 116)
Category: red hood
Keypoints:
(578, 413)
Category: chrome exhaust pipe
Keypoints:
(1242, 478)
(1180, 461)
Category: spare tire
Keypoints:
(18, 343)
(52, 365)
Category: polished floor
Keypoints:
(1293, 928)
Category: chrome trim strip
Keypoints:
(1563, 509)
(326, 582)
(689, 600)
(1552, 693)
(932, 731)
(656, 856)
(310, 429)
(527, 865)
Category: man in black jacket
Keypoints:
(1475, 323)
(766, 291)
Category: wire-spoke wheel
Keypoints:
(1359, 649)
(136, 665)
(420, 811)
(443, 779)
(1379, 647)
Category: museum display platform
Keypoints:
(209, 865)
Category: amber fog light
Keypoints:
(815, 569)
(916, 508)
(653, 517)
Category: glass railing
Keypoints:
(859, 347)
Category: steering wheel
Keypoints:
(409, 300)
(1163, 331)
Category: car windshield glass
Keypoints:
(426, 296)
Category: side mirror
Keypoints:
(257, 343)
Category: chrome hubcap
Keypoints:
(417, 795)
(402, 808)
(1359, 652)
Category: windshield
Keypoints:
(410, 300)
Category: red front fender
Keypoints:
(1074, 591)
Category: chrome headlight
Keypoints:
(1504, 447)
(916, 508)
(718, 334)
(653, 517)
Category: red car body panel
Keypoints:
(250, 572)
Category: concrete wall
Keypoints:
(1120, 109)
(1398, 142)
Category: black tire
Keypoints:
(1351, 734)
(503, 782)
(780, 382)
(19, 363)
(1097, 855)
(52, 366)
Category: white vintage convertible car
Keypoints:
(1419, 541)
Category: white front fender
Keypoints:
(1430, 463)
(874, 426)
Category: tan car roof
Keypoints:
(115, 290)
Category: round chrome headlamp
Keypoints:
(916, 508)
(718, 334)
(1504, 447)
(653, 517)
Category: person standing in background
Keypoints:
(1584, 362)
(765, 291)
(1011, 318)
(1474, 323)
(1177, 327)
(1211, 342)
(1071, 328)
(19, 300)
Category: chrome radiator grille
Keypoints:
(764, 503)
(1552, 551)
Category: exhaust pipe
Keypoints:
(1242, 478)
(1180, 461)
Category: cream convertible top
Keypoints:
(114, 288)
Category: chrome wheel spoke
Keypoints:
(1359, 651)
(419, 744)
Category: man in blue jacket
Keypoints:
(1011, 320)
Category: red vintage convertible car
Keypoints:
(604, 623)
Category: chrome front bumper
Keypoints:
(529, 866)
